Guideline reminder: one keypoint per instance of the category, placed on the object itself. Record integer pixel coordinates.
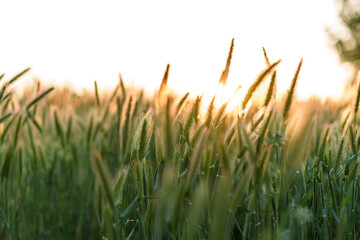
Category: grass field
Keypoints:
(125, 165)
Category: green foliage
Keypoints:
(122, 166)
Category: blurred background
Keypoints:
(76, 42)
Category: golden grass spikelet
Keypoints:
(220, 114)
(165, 79)
(271, 90)
(210, 112)
(258, 117)
(225, 72)
(272, 86)
(193, 115)
(257, 82)
(182, 102)
(266, 57)
(291, 91)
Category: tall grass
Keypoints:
(123, 166)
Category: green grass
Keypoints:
(130, 166)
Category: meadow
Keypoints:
(125, 165)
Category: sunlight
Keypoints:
(138, 40)
(222, 95)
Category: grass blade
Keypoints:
(16, 77)
(97, 94)
(6, 116)
(103, 176)
(38, 98)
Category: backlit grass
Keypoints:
(130, 166)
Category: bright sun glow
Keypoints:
(222, 95)
(77, 42)
(232, 95)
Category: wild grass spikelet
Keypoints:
(256, 83)
(291, 91)
(165, 79)
(225, 72)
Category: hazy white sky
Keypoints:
(76, 42)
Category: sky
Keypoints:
(77, 42)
